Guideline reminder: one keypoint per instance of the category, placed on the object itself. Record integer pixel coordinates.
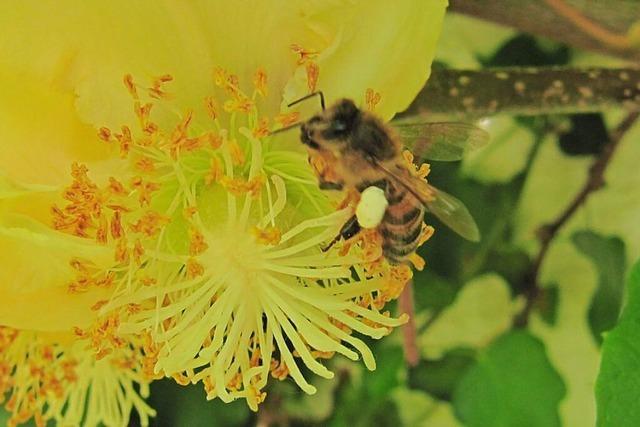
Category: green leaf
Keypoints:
(364, 400)
(317, 407)
(465, 42)
(186, 406)
(552, 182)
(505, 156)
(568, 341)
(482, 310)
(417, 409)
(608, 256)
(440, 377)
(512, 384)
(615, 209)
(618, 384)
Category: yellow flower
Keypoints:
(183, 221)
(47, 376)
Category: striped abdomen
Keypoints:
(401, 226)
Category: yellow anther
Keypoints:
(303, 54)
(279, 370)
(145, 164)
(116, 225)
(417, 261)
(194, 268)
(219, 76)
(156, 90)
(424, 170)
(138, 251)
(148, 281)
(238, 186)
(267, 236)
(130, 85)
(197, 243)
(98, 305)
(211, 106)
(421, 172)
(372, 99)
(215, 172)
(122, 251)
(115, 187)
(104, 134)
(145, 189)
(260, 81)
(215, 141)
(143, 112)
(427, 232)
(125, 139)
(102, 231)
(287, 119)
(262, 129)
(313, 72)
(236, 152)
(189, 212)
(133, 308)
(240, 104)
(150, 224)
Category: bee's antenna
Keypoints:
(311, 95)
(286, 128)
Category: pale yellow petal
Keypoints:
(41, 133)
(89, 46)
(35, 275)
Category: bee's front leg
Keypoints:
(328, 185)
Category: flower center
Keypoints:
(216, 232)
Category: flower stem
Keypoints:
(409, 334)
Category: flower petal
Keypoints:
(88, 47)
(373, 45)
(36, 273)
(41, 132)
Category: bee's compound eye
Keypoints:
(339, 125)
(371, 208)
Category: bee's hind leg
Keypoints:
(348, 230)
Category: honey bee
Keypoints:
(354, 150)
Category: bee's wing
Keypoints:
(440, 141)
(448, 209)
(453, 213)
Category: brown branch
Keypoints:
(409, 334)
(548, 232)
(611, 17)
(527, 91)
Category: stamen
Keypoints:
(260, 82)
(372, 98)
(304, 55)
(313, 72)
(287, 119)
(212, 107)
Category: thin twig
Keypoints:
(409, 334)
(598, 32)
(548, 232)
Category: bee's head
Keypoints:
(331, 128)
